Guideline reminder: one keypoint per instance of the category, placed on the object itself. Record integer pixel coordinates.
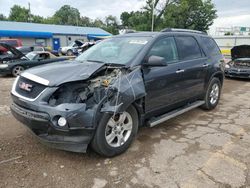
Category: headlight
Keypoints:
(227, 66)
(3, 66)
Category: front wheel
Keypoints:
(17, 70)
(115, 133)
(70, 53)
(212, 96)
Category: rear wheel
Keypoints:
(115, 133)
(17, 70)
(212, 96)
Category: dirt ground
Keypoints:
(196, 149)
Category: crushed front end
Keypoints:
(238, 68)
(65, 116)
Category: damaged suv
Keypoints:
(118, 85)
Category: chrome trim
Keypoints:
(175, 113)
(35, 78)
(180, 71)
(13, 91)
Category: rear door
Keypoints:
(194, 66)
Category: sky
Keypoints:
(230, 12)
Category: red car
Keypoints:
(11, 42)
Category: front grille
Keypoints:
(242, 64)
(35, 88)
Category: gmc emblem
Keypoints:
(24, 86)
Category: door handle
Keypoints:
(180, 71)
(205, 65)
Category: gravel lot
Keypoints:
(197, 149)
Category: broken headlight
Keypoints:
(70, 93)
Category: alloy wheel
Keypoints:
(118, 129)
(17, 70)
(214, 94)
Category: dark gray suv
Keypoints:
(103, 96)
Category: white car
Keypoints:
(71, 49)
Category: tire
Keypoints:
(70, 53)
(106, 131)
(212, 96)
(16, 71)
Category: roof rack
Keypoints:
(182, 30)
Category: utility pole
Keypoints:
(153, 19)
(29, 18)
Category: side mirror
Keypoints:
(155, 61)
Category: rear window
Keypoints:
(210, 46)
(188, 48)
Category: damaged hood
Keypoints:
(16, 54)
(242, 51)
(67, 71)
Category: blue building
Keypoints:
(50, 35)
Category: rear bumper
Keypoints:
(75, 139)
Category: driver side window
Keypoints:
(165, 48)
(41, 57)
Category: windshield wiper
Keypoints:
(97, 61)
(108, 64)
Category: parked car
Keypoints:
(26, 49)
(32, 59)
(11, 42)
(239, 67)
(116, 86)
(10, 53)
(84, 47)
(71, 49)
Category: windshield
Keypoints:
(120, 50)
(72, 44)
(31, 55)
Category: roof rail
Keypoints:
(182, 30)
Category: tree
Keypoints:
(98, 23)
(139, 20)
(125, 18)
(37, 19)
(190, 14)
(85, 21)
(66, 15)
(228, 33)
(111, 24)
(187, 14)
(2, 17)
(19, 14)
(159, 7)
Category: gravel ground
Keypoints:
(196, 149)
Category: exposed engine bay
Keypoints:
(82, 92)
(118, 86)
(242, 63)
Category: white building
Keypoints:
(50, 35)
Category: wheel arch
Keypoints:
(219, 75)
(139, 106)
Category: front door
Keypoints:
(163, 84)
(56, 44)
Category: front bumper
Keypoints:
(73, 137)
(5, 71)
(237, 73)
